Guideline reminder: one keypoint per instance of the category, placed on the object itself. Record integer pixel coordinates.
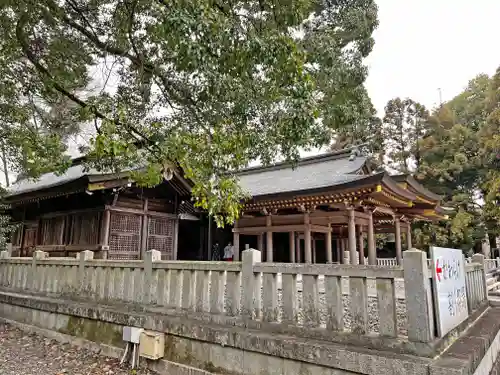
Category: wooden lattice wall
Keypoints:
(161, 231)
(124, 236)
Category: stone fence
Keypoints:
(305, 299)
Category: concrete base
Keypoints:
(197, 348)
(217, 349)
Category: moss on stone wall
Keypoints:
(93, 330)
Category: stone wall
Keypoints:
(219, 311)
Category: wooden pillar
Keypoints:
(307, 239)
(313, 245)
(352, 236)
(292, 247)
(236, 243)
(361, 245)
(176, 239)
(372, 252)
(269, 238)
(260, 242)
(144, 231)
(209, 237)
(408, 236)
(106, 221)
(337, 246)
(328, 247)
(397, 234)
(297, 249)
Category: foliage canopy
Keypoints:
(206, 85)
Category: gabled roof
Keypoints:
(76, 179)
(51, 180)
(311, 173)
(416, 187)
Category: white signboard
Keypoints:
(450, 295)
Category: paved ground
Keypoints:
(28, 354)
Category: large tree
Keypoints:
(207, 85)
(404, 125)
(461, 161)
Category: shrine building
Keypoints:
(324, 209)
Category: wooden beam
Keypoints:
(281, 229)
(140, 212)
(71, 212)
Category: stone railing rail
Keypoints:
(248, 291)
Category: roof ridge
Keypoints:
(332, 155)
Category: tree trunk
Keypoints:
(4, 162)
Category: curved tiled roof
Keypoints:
(309, 173)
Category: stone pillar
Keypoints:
(151, 257)
(361, 245)
(372, 251)
(408, 236)
(482, 288)
(236, 243)
(269, 238)
(307, 239)
(251, 284)
(418, 297)
(328, 247)
(82, 257)
(292, 247)
(352, 236)
(397, 235)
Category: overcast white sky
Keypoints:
(424, 45)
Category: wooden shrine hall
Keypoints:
(333, 200)
(325, 209)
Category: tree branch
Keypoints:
(20, 35)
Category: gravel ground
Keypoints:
(29, 354)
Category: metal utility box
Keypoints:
(152, 345)
(132, 334)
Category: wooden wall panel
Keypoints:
(161, 233)
(124, 236)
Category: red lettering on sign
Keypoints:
(439, 270)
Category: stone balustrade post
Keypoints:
(479, 259)
(151, 257)
(418, 295)
(251, 284)
(82, 257)
(34, 277)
